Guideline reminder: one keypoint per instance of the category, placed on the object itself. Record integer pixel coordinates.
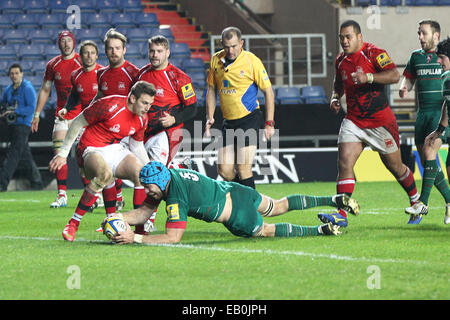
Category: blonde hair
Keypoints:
(113, 34)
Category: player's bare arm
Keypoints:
(390, 76)
(405, 86)
(42, 98)
(172, 235)
(269, 129)
(335, 101)
(210, 108)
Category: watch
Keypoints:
(270, 123)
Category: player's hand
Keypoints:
(62, 113)
(209, 124)
(57, 163)
(35, 124)
(403, 92)
(429, 140)
(167, 120)
(359, 77)
(269, 131)
(124, 237)
(335, 105)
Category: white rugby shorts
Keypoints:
(113, 154)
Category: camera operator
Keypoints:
(18, 103)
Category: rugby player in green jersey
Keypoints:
(239, 208)
(424, 71)
(434, 141)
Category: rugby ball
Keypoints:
(112, 226)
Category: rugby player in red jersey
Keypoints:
(57, 72)
(99, 152)
(117, 78)
(362, 71)
(175, 102)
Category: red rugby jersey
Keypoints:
(59, 70)
(367, 104)
(174, 90)
(85, 84)
(109, 121)
(117, 81)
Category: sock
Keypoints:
(430, 171)
(118, 184)
(301, 202)
(292, 230)
(409, 185)
(346, 186)
(441, 184)
(109, 199)
(61, 179)
(249, 182)
(139, 196)
(87, 199)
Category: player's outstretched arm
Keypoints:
(172, 235)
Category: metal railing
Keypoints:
(290, 59)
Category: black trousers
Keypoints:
(19, 153)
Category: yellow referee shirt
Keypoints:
(237, 84)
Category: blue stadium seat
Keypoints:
(180, 50)
(52, 20)
(198, 80)
(4, 65)
(8, 52)
(288, 95)
(6, 21)
(86, 6)
(130, 5)
(39, 67)
(36, 6)
(51, 51)
(15, 36)
(26, 21)
(31, 52)
(425, 2)
(27, 67)
(313, 95)
(140, 62)
(96, 20)
(443, 2)
(36, 81)
(135, 52)
(108, 6)
(138, 35)
(363, 3)
(166, 32)
(200, 94)
(93, 34)
(42, 36)
(147, 20)
(59, 6)
(4, 82)
(122, 20)
(261, 98)
(177, 62)
(193, 65)
(11, 6)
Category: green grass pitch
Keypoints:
(379, 256)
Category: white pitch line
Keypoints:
(243, 250)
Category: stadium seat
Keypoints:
(135, 52)
(36, 6)
(193, 65)
(31, 52)
(16, 36)
(26, 21)
(261, 98)
(147, 20)
(4, 82)
(42, 36)
(11, 6)
(122, 20)
(138, 35)
(140, 62)
(363, 3)
(198, 80)
(51, 51)
(130, 5)
(166, 32)
(59, 6)
(27, 67)
(177, 62)
(5, 21)
(443, 2)
(93, 34)
(4, 65)
(425, 2)
(180, 50)
(86, 6)
(288, 95)
(96, 20)
(200, 94)
(39, 67)
(53, 20)
(313, 95)
(8, 52)
(107, 6)
(36, 81)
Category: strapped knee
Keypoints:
(269, 210)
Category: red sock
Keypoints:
(87, 199)
(61, 178)
(118, 184)
(346, 186)
(409, 185)
(109, 198)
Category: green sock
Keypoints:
(301, 202)
(441, 184)
(430, 171)
(292, 230)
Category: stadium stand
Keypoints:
(288, 95)
(313, 95)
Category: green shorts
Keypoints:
(245, 219)
(426, 123)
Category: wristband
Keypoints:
(36, 115)
(369, 77)
(441, 129)
(270, 123)
(334, 100)
(138, 238)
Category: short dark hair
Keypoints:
(88, 43)
(229, 32)
(159, 40)
(443, 47)
(15, 65)
(351, 23)
(142, 87)
(435, 27)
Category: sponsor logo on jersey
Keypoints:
(429, 72)
(188, 91)
(115, 128)
(80, 88)
(389, 143)
(383, 60)
(121, 85)
(57, 76)
(132, 131)
(104, 86)
(95, 87)
(173, 213)
(160, 92)
(114, 107)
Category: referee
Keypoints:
(237, 74)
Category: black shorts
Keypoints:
(242, 132)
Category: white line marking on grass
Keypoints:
(18, 200)
(242, 250)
